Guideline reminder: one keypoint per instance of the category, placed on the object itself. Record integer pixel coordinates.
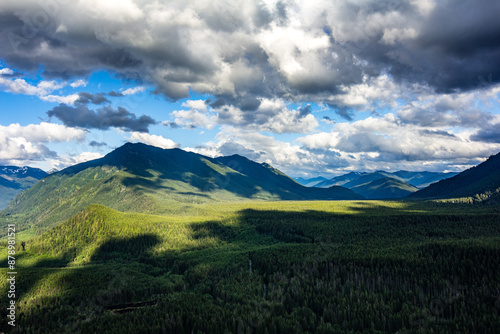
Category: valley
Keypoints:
(152, 240)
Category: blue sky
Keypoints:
(311, 87)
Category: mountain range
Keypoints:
(148, 179)
(14, 180)
(479, 180)
(380, 184)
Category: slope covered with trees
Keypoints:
(14, 180)
(481, 179)
(384, 188)
(142, 178)
(264, 267)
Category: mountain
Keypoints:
(422, 179)
(148, 179)
(483, 178)
(417, 179)
(312, 182)
(340, 180)
(385, 185)
(384, 188)
(14, 180)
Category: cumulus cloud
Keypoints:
(94, 143)
(269, 115)
(153, 140)
(103, 118)
(266, 50)
(389, 140)
(86, 98)
(21, 144)
(42, 90)
(66, 160)
(430, 66)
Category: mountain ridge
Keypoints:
(142, 178)
(14, 179)
(479, 179)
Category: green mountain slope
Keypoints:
(417, 179)
(273, 181)
(476, 180)
(14, 180)
(385, 188)
(422, 179)
(147, 179)
(312, 182)
(376, 185)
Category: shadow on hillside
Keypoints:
(125, 270)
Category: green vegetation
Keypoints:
(384, 188)
(147, 179)
(14, 180)
(481, 179)
(263, 267)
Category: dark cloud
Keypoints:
(430, 117)
(488, 134)
(173, 125)
(94, 143)
(103, 118)
(328, 120)
(304, 111)
(345, 113)
(243, 52)
(86, 98)
(436, 133)
(245, 103)
(231, 147)
(115, 94)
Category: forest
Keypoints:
(264, 267)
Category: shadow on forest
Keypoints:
(119, 265)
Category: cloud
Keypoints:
(78, 83)
(135, 90)
(42, 90)
(103, 118)
(390, 141)
(20, 145)
(94, 143)
(269, 115)
(86, 98)
(153, 140)
(488, 134)
(327, 120)
(430, 66)
(246, 51)
(67, 160)
(231, 147)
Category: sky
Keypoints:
(312, 87)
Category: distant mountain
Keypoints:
(142, 178)
(417, 179)
(476, 180)
(422, 179)
(14, 180)
(384, 188)
(310, 182)
(404, 183)
(340, 180)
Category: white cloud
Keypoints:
(20, 145)
(395, 142)
(135, 90)
(65, 160)
(42, 90)
(78, 83)
(153, 140)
